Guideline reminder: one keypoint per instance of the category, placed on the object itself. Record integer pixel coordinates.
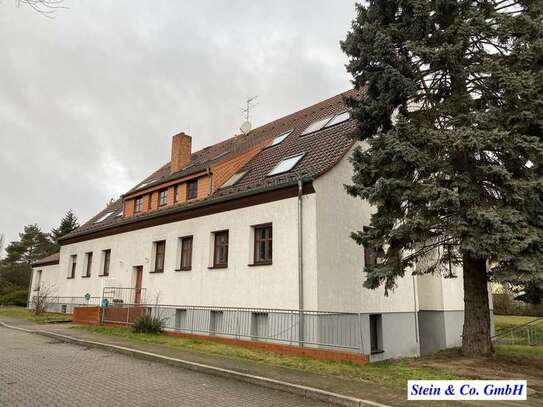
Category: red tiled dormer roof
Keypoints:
(322, 150)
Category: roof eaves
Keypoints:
(206, 202)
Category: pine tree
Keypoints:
(67, 224)
(32, 245)
(452, 120)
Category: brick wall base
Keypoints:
(321, 354)
(87, 315)
(92, 316)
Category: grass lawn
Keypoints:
(511, 321)
(520, 351)
(392, 373)
(23, 313)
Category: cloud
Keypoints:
(90, 100)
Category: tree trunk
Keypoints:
(476, 336)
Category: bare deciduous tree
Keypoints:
(41, 299)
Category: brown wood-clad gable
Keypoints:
(208, 208)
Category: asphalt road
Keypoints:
(37, 371)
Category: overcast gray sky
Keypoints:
(89, 100)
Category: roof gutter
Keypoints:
(197, 205)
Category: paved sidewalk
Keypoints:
(71, 375)
(342, 385)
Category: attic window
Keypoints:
(221, 154)
(339, 118)
(234, 179)
(286, 164)
(316, 126)
(279, 139)
(327, 122)
(103, 217)
(144, 184)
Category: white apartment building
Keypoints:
(258, 221)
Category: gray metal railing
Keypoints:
(66, 305)
(124, 295)
(334, 330)
(530, 334)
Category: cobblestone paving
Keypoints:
(37, 371)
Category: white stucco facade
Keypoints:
(332, 265)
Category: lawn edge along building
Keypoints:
(257, 223)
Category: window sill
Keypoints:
(218, 266)
(156, 272)
(262, 263)
(184, 269)
(85, 276)
(375, 352)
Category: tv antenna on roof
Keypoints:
(250, 103)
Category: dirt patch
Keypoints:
(497, 368)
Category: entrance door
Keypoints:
(139, 276)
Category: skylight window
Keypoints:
(144, 184)
(103, 217)
(327, 122)
(279, 139)
(234, 179)
(221, 154)
(286, 165)
(316, 126)
(340, 118)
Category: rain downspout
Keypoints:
(416, 312)
(300, 267)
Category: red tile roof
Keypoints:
(323, 149)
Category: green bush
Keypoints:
(148, 324)
(17, 297)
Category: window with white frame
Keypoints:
(73, 266)
(280, 138)
(159, 256)
(234, 179)
(328, 121)
(88, 264)
(37, 283)
(286, 164)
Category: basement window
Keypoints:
(234, 179)
(286, 164)
(376, 333)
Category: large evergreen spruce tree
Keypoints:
(452, 120)
(67, 224)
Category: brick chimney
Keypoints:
(181, 151)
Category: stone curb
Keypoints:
(309, 392)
